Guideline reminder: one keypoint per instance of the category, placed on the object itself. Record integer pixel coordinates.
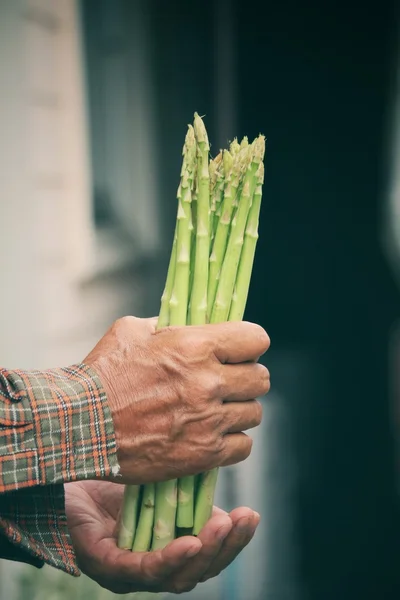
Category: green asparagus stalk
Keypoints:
(194, 225)
(242, 284)
(144, 532)
(216, 189)
(204, 499)
(127, 527)
(179, 299)
(212, 171)
(245, 154)
(223, 173)
(166, 492)
(198, 297)
(226, 283)
(163, 317)
(232, 182)
(165, 513)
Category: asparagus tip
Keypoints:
(200, 131)
(234, 146)
(259, 148)
(227, 161)
(260, 174)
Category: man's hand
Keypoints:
(92, 508)
(181, 397)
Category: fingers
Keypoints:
(240, 416)
(245, 523)
(231, 342)
(237, 448)
(161, 564)
(245, 381)
(212, 537)
(238, 342)
(148, 570)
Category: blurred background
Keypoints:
(95, 96)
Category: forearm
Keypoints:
(55, 427)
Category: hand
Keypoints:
(92, 508)
(181, 397)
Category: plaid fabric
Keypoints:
(55, 427)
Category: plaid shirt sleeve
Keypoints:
(55, 427)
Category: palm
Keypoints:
(92, 510)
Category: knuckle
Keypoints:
(219, 445)
(189, 342)
(211, 385)
(218, 454)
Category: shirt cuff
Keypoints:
(55, 427)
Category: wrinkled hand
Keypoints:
(181, 397)
(92, 510)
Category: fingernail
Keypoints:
(243, 525)
(223, 532)
(192, 551)
(257, 515)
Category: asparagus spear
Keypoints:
(166, 492)
(216, 174)
(194, 224)
(178, 303)
(232, 181)
(165, 513)
(247, 257)
(144, 530)
(204, 499)
(127, 526)
(223, 173)
(163, 317)
(212, 171)
(198, 298)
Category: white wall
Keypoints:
(55, 299)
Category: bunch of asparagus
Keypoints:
(207, 282)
